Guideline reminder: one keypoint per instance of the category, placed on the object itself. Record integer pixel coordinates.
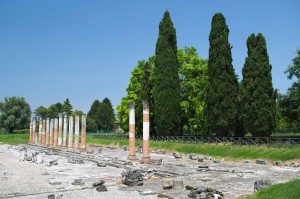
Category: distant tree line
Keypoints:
(189, 94)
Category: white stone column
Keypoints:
(83, 132)
(146, 132)
(51, 132)
(70, 141)
(60, 130)
(65, 133)
(30, 132)
(55, 132)
(76, 140)
(40, 130)
(44, 132)
(132, 155)
(47, 130)
(35, 138)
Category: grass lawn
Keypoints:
(235, 152)
(287, 190)
(14, 138)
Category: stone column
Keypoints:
(47, 131)
(55, 132)
(44, 132)
(34, 140)
(83, 132)
(65, 131)
(70, 141)
(60, 130)
(51, 132)
(76, 140)
(131, 131)
(146, 132)
(40, 130)
(30, 131)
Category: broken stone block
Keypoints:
(53, 162)
(23, 154)
(216, 161)
(164, 195)
(98, 183)
(48, 152)
(101, 164)
(167, 184)
(294, 164)
(78, 182)
(100, 150)
(28, 158)
(189, 187)
(146, 193)
(200, 159)
(90, 151)
(133, 177)
(39, 158)
(75, 160)
(247, 161)
(124, 148)
(177, 155)
(177, 184)
(277, 163)
(101, 188)
(156, 161)
(262, 162)
(261, 184)
(192, 157)
(161, 152)
(51, 196)
(54, 182)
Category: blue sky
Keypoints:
(85, 50)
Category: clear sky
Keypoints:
(85, 50)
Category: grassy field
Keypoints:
(279, 191)
(234, 152)
(14, 138)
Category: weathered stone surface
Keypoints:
(161, 152)
(23, 153)
(78, 182)
(177, 184)
(177, 155)
(99, 150)
(205, 193)
(156, 161)
(133, 177)
(51, 196)
(167, 184)
(189, 187)
(277, 163)
(124, 148)
(262, 162)
(45, 173)
(98, 183)
(147, 192)
(75, 160)
(28, 158)
(294, 164)
(247, 161)
(90, 151)
(261, 184)
(54, 182)
(101, 164)
(192, 157)
(200, 159)
(216, 161)
(101, 188)
(39, 158)
(164, 195)
(53, 162)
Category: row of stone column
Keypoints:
(57, 132)
(146, 132)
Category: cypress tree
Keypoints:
(257, 93)
(166, 85)
(222, 88)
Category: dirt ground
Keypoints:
(28, 180)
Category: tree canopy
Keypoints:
(222, 88)
(14, 113)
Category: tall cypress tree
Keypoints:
(257, 93)
(166, 85)
(222, 89)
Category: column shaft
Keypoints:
(40, 130)
(65, 133)
(76, 139)
(70, 141)
(47, 131)
(146, 132)
(60, 130)
(132, 155)
(83, 132)
(51, 132)
(55, 132)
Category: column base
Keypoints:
(146, 160)
(132, 157)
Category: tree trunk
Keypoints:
(11, 130)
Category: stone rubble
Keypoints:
(261, 184)
(133, 177)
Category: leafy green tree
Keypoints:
(93, 116)
(14, 113)
(290, 103)
(166, 84)
(257, 93)
(77, 112)
(222, 89)
(41, 111)
(193, 76)
(67, 107)
(91, 125)
(106, 115)
(53, 111)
